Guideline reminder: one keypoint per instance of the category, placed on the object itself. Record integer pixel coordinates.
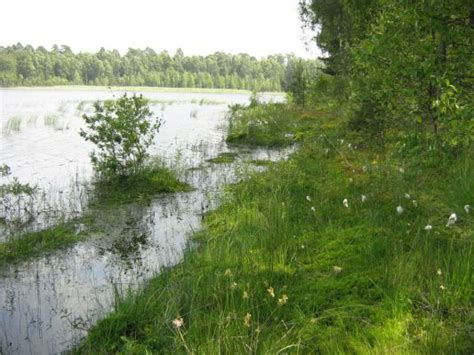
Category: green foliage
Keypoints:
(24, 65)
(13, 187)
(298, 78)
(406, 66)
(122, 130)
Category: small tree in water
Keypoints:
(122, 130)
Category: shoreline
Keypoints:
(151, 89)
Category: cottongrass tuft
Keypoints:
(452, 219)
(467, 208)
(178, 323)
(247, 320)
(400, 209)
(308, 198)
(363, 198)
(337, 269)
(428, 227)
(283, 300)
(345, 202)
(271, 291)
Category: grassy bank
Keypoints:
(344, 248)
(271, 125)
(109, 194)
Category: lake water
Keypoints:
(48, 303)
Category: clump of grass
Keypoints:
(270, 125)
(205, 101)
(148, 182)
(51, 120)
(295, 260)
(12, 125)
(37, 243)
(224, 158)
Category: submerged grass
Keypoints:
(312, 256)
(12, 125)
(37, 243)
(152, 180)
(224, 158)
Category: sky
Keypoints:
(256, 27)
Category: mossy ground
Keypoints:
(284, 266)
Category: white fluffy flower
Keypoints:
(452, 219)
(407, 195)
(345, 202)
(178, 322)
(467, 208)
(313, 209)
(308, 198)
(363, 198)
(400, 209)
(415, 203)
(428, 227)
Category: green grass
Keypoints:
(284, 266)
(267, 125)
(260, 162)
(151, 181)
(224, 158)
(37, 243)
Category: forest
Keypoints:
(399, 64)
(26, 66)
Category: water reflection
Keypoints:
(47, 304)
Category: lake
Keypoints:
(48, 303)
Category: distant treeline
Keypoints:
(27, 66)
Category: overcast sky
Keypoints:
(257, 27)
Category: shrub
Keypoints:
(122, 130)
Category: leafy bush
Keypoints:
(122, 130)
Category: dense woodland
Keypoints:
(25, 65)
(399, 65)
